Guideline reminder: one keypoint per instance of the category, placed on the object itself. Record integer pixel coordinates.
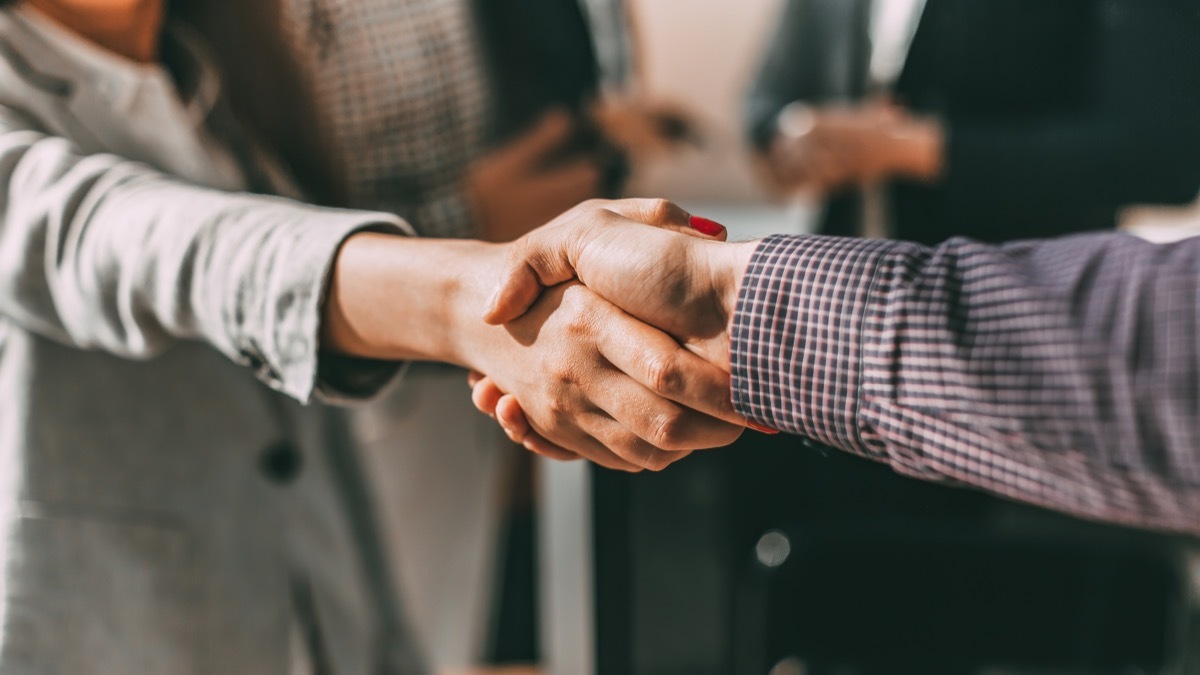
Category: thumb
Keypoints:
(667, 215)
(535, 262)
(546, 257)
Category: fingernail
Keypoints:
(761, 429)
(706, 226)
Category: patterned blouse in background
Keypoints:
(403, 99)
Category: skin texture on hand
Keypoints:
(589, 371)
(521, 185)
(592, 378)
(667, 276)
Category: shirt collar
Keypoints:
(119, 79)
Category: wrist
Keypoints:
(727, 264)
(467, 294)
(402, 298)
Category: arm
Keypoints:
(1136, 142)
(102, 253)
(1060, 373)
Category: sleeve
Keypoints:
(1136, 141)
(101, 253)
(1063, 373)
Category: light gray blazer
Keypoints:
(167, 503)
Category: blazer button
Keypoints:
(281, 463)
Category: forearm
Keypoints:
(400, 298)
(1061, 373)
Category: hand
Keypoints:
(642, 128)
(593, 380)
(686, 285)
(606, 386)
(822, 149)
(519, 187)
(672, 275)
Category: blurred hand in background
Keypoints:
(643, 128)
(531, 179)
(822, 149)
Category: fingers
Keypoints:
(532, 266)
(540, 446)
(644, 455)
(485, 395)
(665, 371)
(547, 257)
(636, 454)
(668, 216)
(512, 418)
(585, 443)
(508, 413)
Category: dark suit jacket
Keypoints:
(540, 56)
(1057, 113)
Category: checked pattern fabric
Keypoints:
(1063, 373)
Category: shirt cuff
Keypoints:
(797, 340)
(298, 267)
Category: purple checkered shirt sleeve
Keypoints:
(1063, 373)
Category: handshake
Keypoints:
(611, 333)
(603, 335)
(632, 303)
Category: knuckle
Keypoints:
(657, 461)
(578, 317)
(664, 375)
(669, 431)
(659, 210)
(559, 407)
(592, 205)
(635, 452)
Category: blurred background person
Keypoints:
(996, 120)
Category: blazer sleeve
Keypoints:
(102, 253)
(1136, 141)
(1063, 373)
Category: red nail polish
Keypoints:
(761, 429)
(706, 226)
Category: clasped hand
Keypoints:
(655, 297)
